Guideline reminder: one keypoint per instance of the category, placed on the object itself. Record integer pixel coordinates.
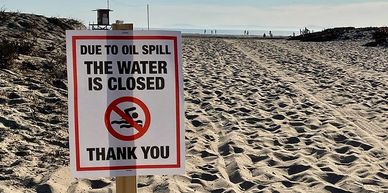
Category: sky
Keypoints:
(218, 14)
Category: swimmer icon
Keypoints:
(127, 118)
(131, 113)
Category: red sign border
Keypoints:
(177, 107)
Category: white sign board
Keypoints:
(125, 103)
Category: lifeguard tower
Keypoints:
(102, 20)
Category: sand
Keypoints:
(261, 116)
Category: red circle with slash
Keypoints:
(113, 107)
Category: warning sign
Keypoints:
(125, 103)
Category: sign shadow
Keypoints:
(123, 117)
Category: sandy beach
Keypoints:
(261, 116)
(286, 116)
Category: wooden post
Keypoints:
(125, 184)
(122, 26)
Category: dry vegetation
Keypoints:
(35, 44)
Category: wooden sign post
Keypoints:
(125, 184)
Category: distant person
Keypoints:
(264, 35)
(211, 31)
(306, 31)
(247, 33)
(293, 34)
(270, 34)
(204, 31)
(215, 31)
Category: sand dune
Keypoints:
(261, 116)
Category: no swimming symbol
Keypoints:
(127, 117)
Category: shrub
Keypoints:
(11, 49)
(55, 67)
(65, 24)
(4, 16)
(60, 70)
(381, 35)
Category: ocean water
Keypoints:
(238, 32)
(230, 32)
